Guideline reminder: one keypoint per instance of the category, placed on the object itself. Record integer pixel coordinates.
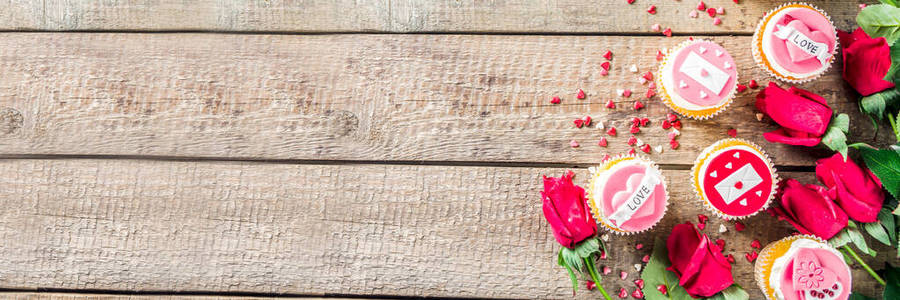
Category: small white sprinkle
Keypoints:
(637, 267)
(604, 237)
(620, 92)
(599, 124)
(642, 80)
(639, 143)
(759, 117)
(693, 14)
(633, 69)
(658, 148)
(722, 228)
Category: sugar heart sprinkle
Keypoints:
(580, 94)
(637, 294)
(573, 144)
(751, 256)
(732, 132)
(701, 218)
(610, 104)
(755, 244)
(701, 6)
(739, 226)
(607, 55)
(603, 142)
(638, 105)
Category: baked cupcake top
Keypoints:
(627, 194)
(806, 268)
(795, 42)
(734, 178)
(698, 79)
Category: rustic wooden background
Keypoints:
(390, 148)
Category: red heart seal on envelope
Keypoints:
(798, 54)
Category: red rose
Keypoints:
(866, 61)
(802, 115)
(856, 190)
(810, 209)
(565, 207)
(701, 268)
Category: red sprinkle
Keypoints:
(637, 294)
(579, 123)
(751, 256)
(631, 151)
(555, 100)
(652, 85)
(717, 21)
(711, 11)
(604, 72)
(668, 32)
(735, 1)
(645, 121)
(666, 125)
(639, 283)
(590, 285)
(635, 129)
(574, 144)
(732, 132)
(650, 93)
(580, 94)
(739, 226)
(646, 148)
(635, 121)
(605, 65)
(632, 140)
(630, 1)
(639, 246)
(729, 258)
(648, 76)
(602, 142)
(677, 124)
(755, 244)
(720, 243)
(662, 289)
(753, 84)
(606, 270)
(660, 55)
(741, 88)
(638, 105)
(611, 131)
(610, 104)
(671, 117)
(605, 158)
(702, 218)
(607, 55)
(652, 9)
(623, 274)
(623, 293)
(626, 93)
(646, 258)
(674, 144)
(602, 254)
(701, 6)
(701, 226)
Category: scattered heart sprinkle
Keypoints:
(580, 94)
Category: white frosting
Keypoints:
(778, 267)
(768, 50)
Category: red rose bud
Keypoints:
(639, 283)
(866, 61)
(702, 270)
(662, 289)
(701, 6)
(667, 32)
(652, 9)
(606, 270)
(639, 246)
(650, 93)
(580, 94)
(739, 226)
(671, 117)
(635, 121)
(637, 294)
(565, 208)
(802, 115)
(755, 244)
(856, 190)
(623, 275)
(587, 120)
(660, 55)
(753, 84)
(630, 1)
(677, 124)
(602, 254)
(711, 11)
(702, 218)
(590, 285)
(701, 226)
(674, 144)
(809, 209)
(607, 55)
(555, 100)
(631, 151)
(610, 104)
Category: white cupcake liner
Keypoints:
(605, 165)
(756, 51)
(667, 100)
(701, 159)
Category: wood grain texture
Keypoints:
(355, 97)
(78, 296)
(141, 225)
(562, 16)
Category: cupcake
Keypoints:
(627, 194)
(734, 178)
(802, 267)
(697, 79)
(795, 42)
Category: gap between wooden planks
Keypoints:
(538, 16)
(433, 98)
(137, 225)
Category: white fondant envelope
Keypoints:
(693, 67)
(746, 175)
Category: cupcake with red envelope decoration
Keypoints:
(698, 79)
(734, 178)
(802, 267)
(627, 194)
(795, 42)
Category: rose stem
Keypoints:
(590, 266)
(864, 265)
(894, 126)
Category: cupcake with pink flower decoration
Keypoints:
(802, 267)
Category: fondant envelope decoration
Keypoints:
(732, 187)
(713, 79)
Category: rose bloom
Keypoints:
(866, 61)
(566, 209)
(856, 190)
(802, 115)
(701, 268)
(809, 209)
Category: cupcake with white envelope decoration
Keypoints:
(734, 178)
(698, 79)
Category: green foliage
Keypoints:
(561, 262)
(890, 2)
(885, 163)
(655, 273)
(835, 138)
(574, 259)
(885, 230)
(880, 20)
(851, 234)
(893, 73)
(892, 278)
(733, 292)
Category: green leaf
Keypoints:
(835, 137)
(880, 20)
(840, 239)
(873, 105)
(885, 163)
(855, 296)
(734, 292)
(655, 273)
(890, 225)
(587, 247)
(560, 261)
(893, 73)
(841, 121)
(858, 240)
(572, 259)
(892, 278)
(877, 231)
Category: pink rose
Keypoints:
(701, 268)
(809, 209)
(855, 189)
(565, 207)
(802, 115)
(866, 61)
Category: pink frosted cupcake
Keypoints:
(627, 194)
(795, 42)
(802, 267)
(734, 178)
(698, 79)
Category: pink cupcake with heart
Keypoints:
(627, 194)
(698, 79)
(795, 42)
(802, 267)
(734, 178)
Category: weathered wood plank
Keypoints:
(352, 97)
(142, 225)
(564, 16)
(76, 296)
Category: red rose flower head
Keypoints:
(565, 208)
(802, 115)
(809, 209)
(701, 268)
(866, 61)
(856, 190)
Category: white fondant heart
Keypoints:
(713, 174)
(737, 155)
(744, 202)
(718, 53)
(727, 66)
(728, 165)
(702, 49)
(703, 95)
(759, 193)
(682, 84)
